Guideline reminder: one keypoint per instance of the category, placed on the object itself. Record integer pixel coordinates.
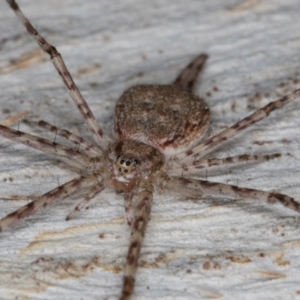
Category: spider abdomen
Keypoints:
(164, 116)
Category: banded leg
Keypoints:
(128, 201)
(208, 188)
(49, 198)
(188, 76)
(20, 197)
(95, 190)
(197, 165)
(99, 136)
(68, 155)
(15, 118)
(128, 198)
(215, 141)
(83, 145)
(138, 229)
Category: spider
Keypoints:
(158, 146)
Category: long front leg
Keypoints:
(138, 229)
(49, 198)
(83, 145)
(68, 155)
(99, 136)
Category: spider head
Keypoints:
(129, 160)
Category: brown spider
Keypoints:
(158, 130)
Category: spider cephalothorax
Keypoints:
(130, 160)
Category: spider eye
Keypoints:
(126, 166)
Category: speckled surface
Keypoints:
(193, 249)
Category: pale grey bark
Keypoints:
(193, 249)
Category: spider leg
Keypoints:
(128, 198)
(215, 141)
(15, 118)
(68, 155)
(100, 186)
(83, 145)
(129, 208)
(208, 188)
(99, 136)
(49, 198)
(188, 76)
(198, 165)
(138, 228)
(20, 197)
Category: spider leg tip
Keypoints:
(69, 217)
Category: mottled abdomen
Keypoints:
(162, 116)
